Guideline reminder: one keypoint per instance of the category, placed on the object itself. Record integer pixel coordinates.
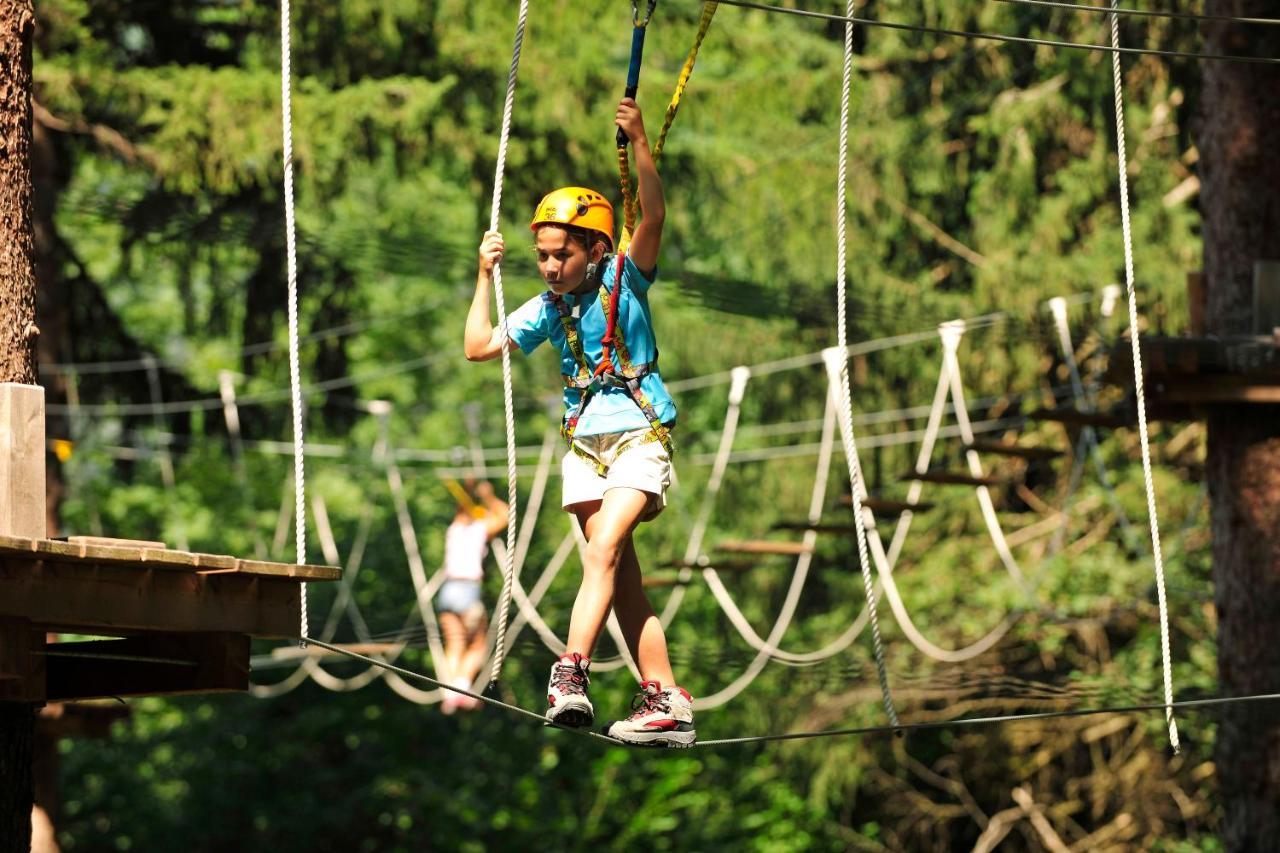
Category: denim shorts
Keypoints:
(458, 596)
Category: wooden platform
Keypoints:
(884, 506)
(727, 564)
(170, 621)
(1182, 375)
(1075, 417)
(296, 652)
(840, 528)
(764, 546)
(665, 581)
(1020, 451)
(954, 478)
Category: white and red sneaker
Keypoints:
(659, 718)
(454, 701)
(567, 702)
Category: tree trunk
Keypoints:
(17, 275)
(17, 355)
(52, 304)
(17, 737)
(1238, 138)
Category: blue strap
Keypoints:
(633, 73)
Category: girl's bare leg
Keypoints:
(455, 644)
(641, 627)
(474, 656)
(611, 559)
(607, 525)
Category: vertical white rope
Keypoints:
(846, 397)
(1137, 381)
(495, 213)
(291, 255)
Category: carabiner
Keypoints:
(636, 20)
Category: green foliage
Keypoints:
(982, 179)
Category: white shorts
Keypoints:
(642, 465)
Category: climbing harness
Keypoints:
(619, 373)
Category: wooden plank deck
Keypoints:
(1075, 417)
(885, 506)
(844, 528)
(87, 550)
(764, 546)
(1182, 376)
(1020, 451)
(954, 478)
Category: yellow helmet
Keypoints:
(575, 206)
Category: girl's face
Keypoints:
(562, 261)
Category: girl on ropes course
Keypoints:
(481, 516)
(618, 420)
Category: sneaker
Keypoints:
(567, 700)
(659, 718)
(455, 701)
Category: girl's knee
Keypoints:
(603, 553)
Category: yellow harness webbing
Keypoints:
(624, 168)
(624, 374)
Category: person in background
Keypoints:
(464, 619)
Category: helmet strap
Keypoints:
(595, 272)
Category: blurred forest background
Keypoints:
(982, 181)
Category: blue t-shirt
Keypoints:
(610, 409)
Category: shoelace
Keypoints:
(646, 702)
(569, 678)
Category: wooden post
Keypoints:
(1195, 304)
(1266, 297)
(18, 333)
(22, 452)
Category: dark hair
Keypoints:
(584, 237)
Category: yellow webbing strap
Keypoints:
(708, 12)
(624, 168)
(628, 203)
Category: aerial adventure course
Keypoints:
(916, 427)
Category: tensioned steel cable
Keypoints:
(1146, 13)
(827, 16)
(901, 727)
(970, 722)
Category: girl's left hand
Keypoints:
(629, 119)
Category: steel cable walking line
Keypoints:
(1079, 7)
(845, 396)
(894, 729)
(291, 255)
(495, 213)
(1153, 516)
(849, 18)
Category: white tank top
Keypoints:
(465, 544)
